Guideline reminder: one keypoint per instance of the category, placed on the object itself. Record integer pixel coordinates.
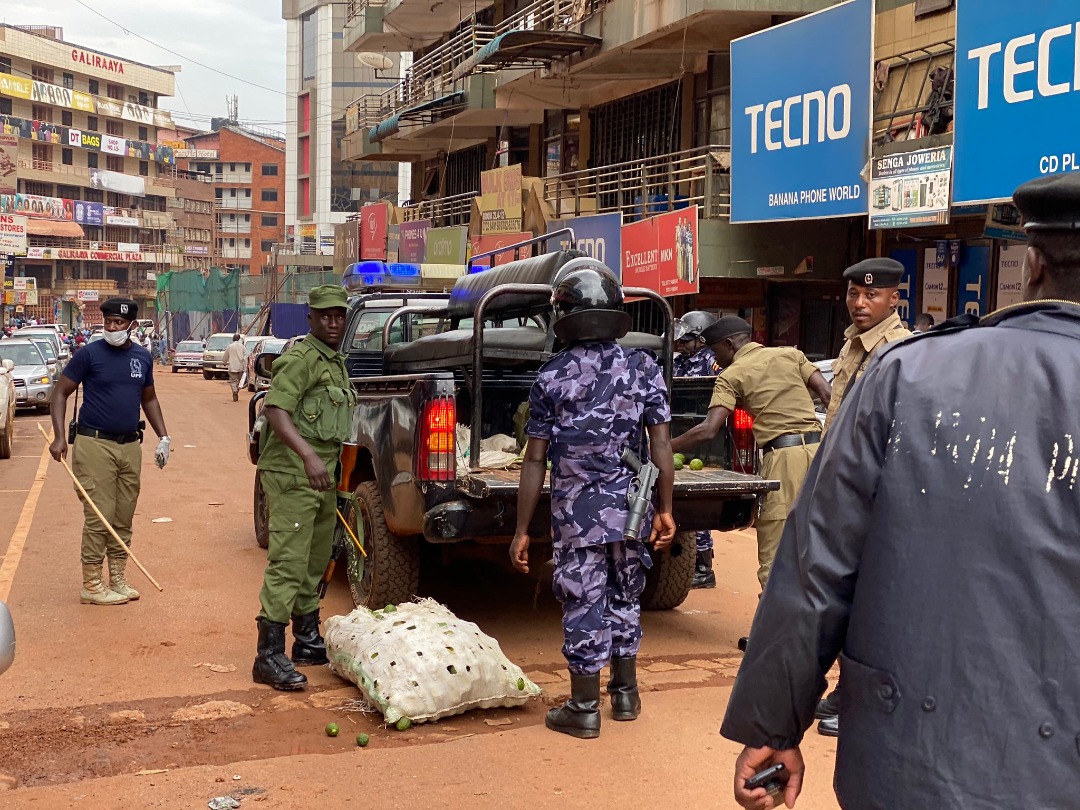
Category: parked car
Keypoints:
(266, 345)
(7, 639)
(59, 349)
(7, 413)
(213, 359)
(33, 379)
(48, 351)
(188, 355)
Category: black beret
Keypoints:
(121, 308)
(875, 273)
(1050, 203)
(728, 326)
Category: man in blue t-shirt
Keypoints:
(117, 377)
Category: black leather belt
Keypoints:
(119, 438)
(791, 440)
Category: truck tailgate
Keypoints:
(481, 483)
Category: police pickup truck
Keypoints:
(438, 368)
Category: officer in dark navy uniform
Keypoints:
(588, 405)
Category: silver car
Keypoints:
(7, 639)
(33, 378)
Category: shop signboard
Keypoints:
(374, 222)
(1010, 280)
(489, 242)
(1015, 73)
(89, 213)
(908, 189)
(801, 116)
(447, 245)
(660, 253)
(86, 295)
(346, 244)
(9, 154)
(122, 221)
(973, 280)
(12, 234)
(500, 200)
(117, 182)
(412, 239)
(598, 236)
(935, 292)
(37, 207)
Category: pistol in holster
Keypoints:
(639, 495)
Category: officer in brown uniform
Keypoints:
(872, 295)
(774, 385)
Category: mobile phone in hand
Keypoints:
(772, 779)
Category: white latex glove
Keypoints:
(161, 454)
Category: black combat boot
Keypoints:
(308, 649)
(272, 666)
(623, 688)
(703, 573)
(829, 706)
(580, 715)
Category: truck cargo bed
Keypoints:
(482, 483)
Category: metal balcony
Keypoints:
(914, 93)
(444, 211)
(648, 186)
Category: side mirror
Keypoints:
(8, 365)
(7, 639)
(263, 363)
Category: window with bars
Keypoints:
(639, 126)
(463, 170)
(114, 163)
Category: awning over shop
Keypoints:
(425, 112)
(45, 227)
(525, 49)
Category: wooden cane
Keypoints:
(101, 517)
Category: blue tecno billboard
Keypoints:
(599, 236)
(800, 109)
(1017, 95)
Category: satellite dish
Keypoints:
(376, 61)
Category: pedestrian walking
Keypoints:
(235, 362)
(934, 550)
(872, 296)
(589, 404)
(309, 409)
(774, 385)
(694, 359)
(117, 379)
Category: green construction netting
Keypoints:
(191, 291)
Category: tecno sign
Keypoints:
(1055, 52)
(813, 117)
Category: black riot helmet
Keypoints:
(588, 303)
(692, 324)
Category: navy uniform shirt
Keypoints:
(113, 381)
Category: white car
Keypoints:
(7, 407)
(7, 639)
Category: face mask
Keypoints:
(117, 339)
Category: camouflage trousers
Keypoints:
(600, 590)
(704, 541)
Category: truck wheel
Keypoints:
(206, 375)
(5, 441)
(391, 571)
(262, 515)
(175, 369)
(668, 582)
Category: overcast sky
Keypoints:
(243, 37)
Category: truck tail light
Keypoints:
(743, 447)
(436, 457)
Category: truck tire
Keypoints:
(667, 583)
(5, 441)
(262, 515)
(390, 573)
(206, 375)
(175, 369)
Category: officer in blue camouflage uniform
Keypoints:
(590, 403)
(694, 359)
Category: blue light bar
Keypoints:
(404, 270)
(359, 274)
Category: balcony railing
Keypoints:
(435, 72)
(93, 244)
(443, 212)
(354, 8)
(233, 203)
(234, 252)
(648, 186)
(915, 97)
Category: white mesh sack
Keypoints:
(420, 661)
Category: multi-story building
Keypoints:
(194, 222)
(247, 172)
(618, 107)
(322, 187)
(80, 127)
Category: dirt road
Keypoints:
(151, 704)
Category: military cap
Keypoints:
(1050, 203)
(875, 273)
(728, 326)
(120, 307)
(328, 296)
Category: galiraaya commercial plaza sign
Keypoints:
(800, 108)
(1017, 95)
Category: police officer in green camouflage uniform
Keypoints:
(309, 409)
